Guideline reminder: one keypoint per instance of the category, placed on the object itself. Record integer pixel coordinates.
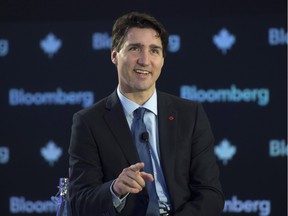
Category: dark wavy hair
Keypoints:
(139, 20)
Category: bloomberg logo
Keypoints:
(262, 207)
(278, 148)
(20, 97)
(21, 205)
(277, 36)
(232, 94)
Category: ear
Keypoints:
(114, 57)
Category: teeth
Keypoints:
(142, 72)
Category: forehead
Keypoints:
(145, 36)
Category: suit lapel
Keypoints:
(117, 122)
(167, 124)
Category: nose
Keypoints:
(143, 58)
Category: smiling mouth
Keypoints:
(141, 71)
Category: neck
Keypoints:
(139, 97)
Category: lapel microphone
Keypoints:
(145, 136)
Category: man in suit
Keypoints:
(107, 176)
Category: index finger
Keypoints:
(137, 167)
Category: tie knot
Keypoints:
(139, 113)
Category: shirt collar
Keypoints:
(129, 105)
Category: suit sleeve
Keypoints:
(89, 195)
(206, 192)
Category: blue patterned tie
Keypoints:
(142, 144)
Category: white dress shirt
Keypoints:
(150, 120)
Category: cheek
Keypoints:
(122, 59)
(162, 62)
(159, 65)
(158, 62)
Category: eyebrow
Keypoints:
(140, 45)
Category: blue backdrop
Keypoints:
(55, 60)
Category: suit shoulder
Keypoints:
(93, 110)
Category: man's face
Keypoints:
(139, 61)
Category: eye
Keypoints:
(155, 51)
(134, 48)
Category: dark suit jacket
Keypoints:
(102, 146)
